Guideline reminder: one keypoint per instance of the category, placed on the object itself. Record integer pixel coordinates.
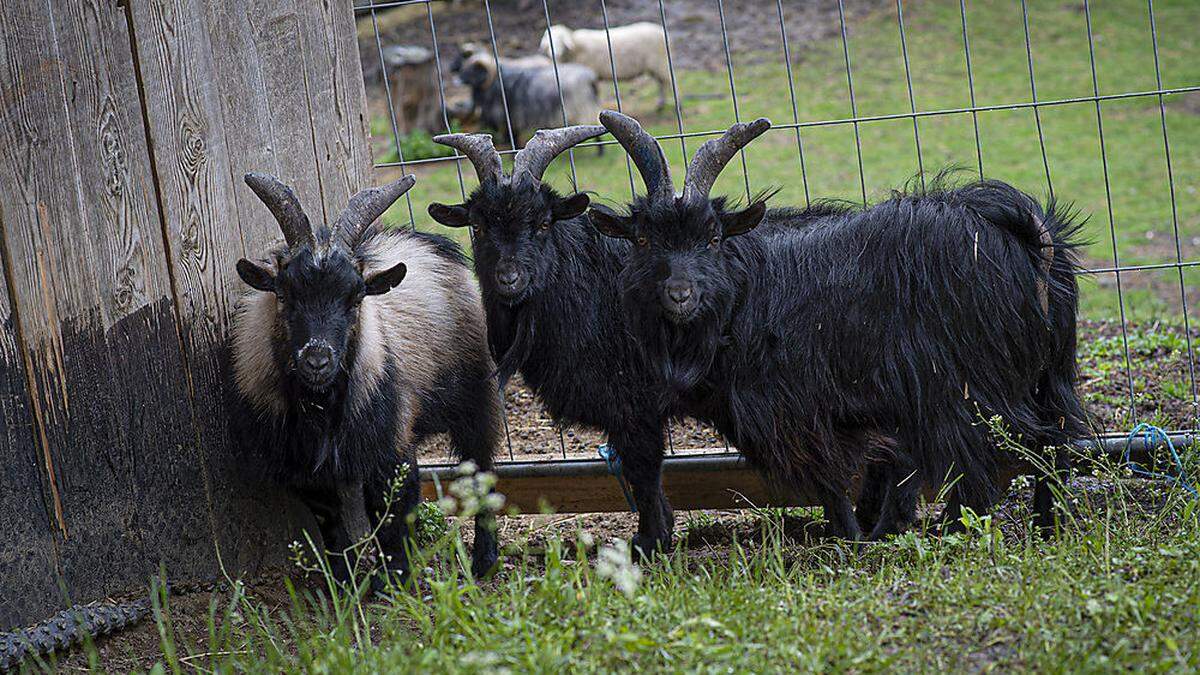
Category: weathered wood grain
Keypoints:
(338, 100)
(209, 122)
(100, 340)
(125, 129)
(54, 288)
(154, 423)
(265, 102)
(28, 550)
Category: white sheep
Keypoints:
(637, 49)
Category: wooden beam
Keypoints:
(586, 486)
(710, 481)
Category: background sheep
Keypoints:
(878, 335)
(531, 93)
(342, 369)
(637, 49)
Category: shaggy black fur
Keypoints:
(551, 291)
(872, 337)
(329, 437)
(551, 296)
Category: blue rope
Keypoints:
(1151, 434)
(614, 467)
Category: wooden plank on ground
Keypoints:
(586, 486)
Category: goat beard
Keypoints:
(508, 363)
(685, 354)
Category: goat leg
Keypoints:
(641, 465)
(350, 546)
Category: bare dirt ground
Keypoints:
(695, 44)
(1160, 376)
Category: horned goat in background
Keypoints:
(355, 344)
(869, 338)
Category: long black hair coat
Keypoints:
(883, 335)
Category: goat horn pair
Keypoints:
(530, 161)
(706, 164)
(362, 210)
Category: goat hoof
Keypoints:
(483, 565)
(643, 548)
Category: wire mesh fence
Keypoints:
(1079, 102)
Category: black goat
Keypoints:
(551, 296)
(871, 338)
(342, 370)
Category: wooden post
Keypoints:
(413, 80)
(123, 138)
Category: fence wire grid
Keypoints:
(380, 81)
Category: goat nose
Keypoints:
(318, 358)
(679, 292)
(507, 275)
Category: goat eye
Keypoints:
(642, 241)
(715, 241)
(545, 224)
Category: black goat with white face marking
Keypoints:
(356, 344)
(864, 342)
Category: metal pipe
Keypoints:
(1113, 445)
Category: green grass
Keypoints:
(1141, 205)
(1116, 590)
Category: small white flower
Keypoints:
(615, 564)
(447, 505)
(467, 468)
(494, 501)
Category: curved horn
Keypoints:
(283, 204)
(547, 144)
(366, 206)
(712, 157)
(480, 150)
(645, 152)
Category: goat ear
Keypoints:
(572, 206)
(256, 276)
(450, 216)
(741, 222)
(382, 282)
(610, 224)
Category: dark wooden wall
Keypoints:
(125, 128)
